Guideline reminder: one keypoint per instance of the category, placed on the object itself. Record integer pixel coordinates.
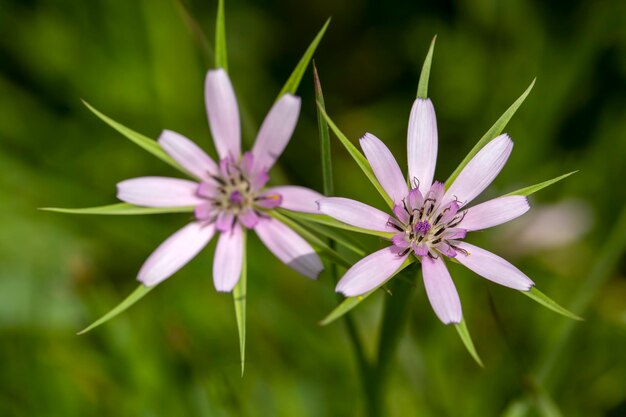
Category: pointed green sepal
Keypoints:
(526, 191)
(324, 135)
(296, 76)
(120, 209)
(239, 297)
(547, 302)
(221, 58)
(422, 86)
(120, 308)
(492, 133)
(356, 155)
(142, 141)
(465, 336)
(351, 302)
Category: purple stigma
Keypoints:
(422, 227)
(236, 197)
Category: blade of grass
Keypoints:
(120, 308)
(422, 86)
(357, 156)
(221, 58)
(119, 209)
(526, 191)
(296, 76)
(494, 131)
(239, 297)
(142, 141)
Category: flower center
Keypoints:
(427, 225)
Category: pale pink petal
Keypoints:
(228, 259)
(249, 218)
(276, 131)
(175, 252)
(189, 155)
(297, 198)
(385, 167)
(441, 291)
(225, 221)
(355, 213)
(159, 192)
(493, 267)
(205, 211)
(370, 272)
(289, 247)
(494, 212)
(422, 143)
(221, 106)
(481, 170)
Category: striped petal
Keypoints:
(289, 247)
(480, 171)
(441, 291)
(494, 212)
(228, 259)
(276, 131)
(422, 143)
(370, 272)
(493, 267)
(297, 198)
(175, 252)
(385, 167)
(159, 192)
(189, 155)
(354, 213)
(221, 106)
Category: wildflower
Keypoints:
(228, 196)
(428, 221)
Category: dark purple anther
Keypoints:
(236, 197)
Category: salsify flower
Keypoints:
(228, 196)
(428, 221)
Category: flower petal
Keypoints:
(494, 212)
(276, 131)
(221, 106)
(422, 143)
(189, 155)
(159, 192)
(297, 198)
(370, 272)
(175, 252)
(441, 291)
(228, 259)
(385, 167)
(289, 247)
(355, 213)
(480, 171)
(493, 267)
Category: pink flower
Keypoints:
(430, 222)
(228, 197)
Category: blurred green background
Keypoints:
(176, 352)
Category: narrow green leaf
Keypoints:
(329, 221)
(526, 191)
(296, 76)
(324, 134)
(142, 141)
(121, 307)
(546, 301)
(357, 156)
(465, 336)
(315, 241)
(221, 59)
(351, 302)
(493, 132)
(239, 296)
(422, 86)
(119, 209)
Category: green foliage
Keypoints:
(547, 302)
(465, 336)
(240, 295)
(119, 209)
(221, 57)
(422, 86)
(526, 191)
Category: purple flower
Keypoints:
(228, 196)
(429, 221)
